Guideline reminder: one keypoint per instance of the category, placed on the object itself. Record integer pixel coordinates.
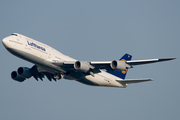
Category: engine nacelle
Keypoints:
(118, 65)
(24, 72)
(81, 66)
(17, 77)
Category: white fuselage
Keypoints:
(43, 55)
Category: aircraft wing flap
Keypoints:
(130, 81)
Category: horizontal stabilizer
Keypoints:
(130, 81)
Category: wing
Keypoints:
(141, 62)
(130, 81)
(106, 64)
(96, 65)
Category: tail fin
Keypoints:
(121, 74)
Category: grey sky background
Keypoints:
(96, 30)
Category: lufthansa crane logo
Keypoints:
(125, 71)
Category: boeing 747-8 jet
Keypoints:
(55, 65)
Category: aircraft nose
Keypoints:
(5, 42)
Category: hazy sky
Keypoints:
(94, 30)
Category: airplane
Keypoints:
(55, 65)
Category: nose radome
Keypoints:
(5, 42)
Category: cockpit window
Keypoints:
(14, 34)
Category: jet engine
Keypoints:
(17, 77)
(21, 74)
(118, 65)
(24, 72)
(81, 66)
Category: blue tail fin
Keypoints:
(121, 74)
